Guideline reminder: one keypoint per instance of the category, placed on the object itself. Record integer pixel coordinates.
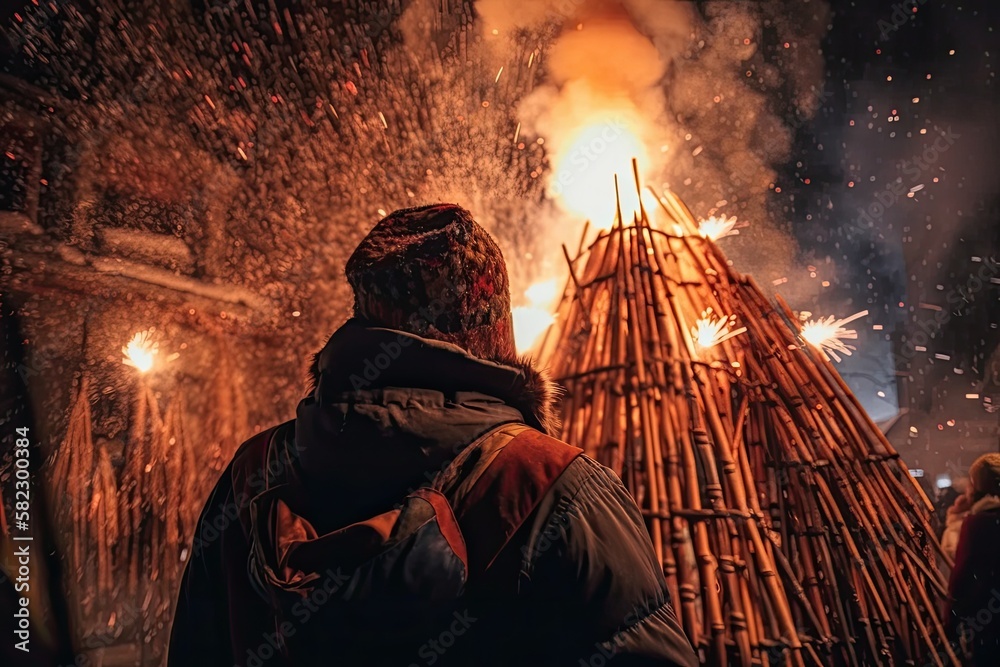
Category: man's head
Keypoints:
(984, 475)
(433, 271)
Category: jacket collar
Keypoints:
(985, 504)
(360, 357)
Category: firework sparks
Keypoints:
(828, 335)
(712, 330)
(141, 351)
(717, 227)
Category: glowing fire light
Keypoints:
(828, 335)
(543, 292)
(712, 330)
(584, 176)
(532, 320)
(717, 227)
(140, 351)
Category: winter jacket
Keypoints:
(953, 524)
(974, 587)
(578, 581)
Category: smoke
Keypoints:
(714, 94)
(601, 101)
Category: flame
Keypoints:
(544, 292)
(828, 334)
(717, 227)
(140, 351)
(712, 330)
(532, 320)
(583, 180)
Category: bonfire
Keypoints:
(789, 531)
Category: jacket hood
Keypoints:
(362, 356)
(388, 411)
(390, 408)
(986, 504)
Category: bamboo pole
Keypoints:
(786, 535)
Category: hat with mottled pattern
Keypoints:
(435, 272)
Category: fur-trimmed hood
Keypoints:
(360, 356)
(388, 409)
(985, 504)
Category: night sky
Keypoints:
(890, 75)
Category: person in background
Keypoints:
(418, 510)
(954, 516)
(944, 499)
(974, 587)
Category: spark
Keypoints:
(717, 227)
(828, 335)
(140, 351)
(712, 330)
(496, 80)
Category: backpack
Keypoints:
(373, 592)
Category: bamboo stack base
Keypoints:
(789, 531)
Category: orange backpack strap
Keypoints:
(515, 466)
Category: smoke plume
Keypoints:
(714, 93)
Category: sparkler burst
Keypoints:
(712, 330)
(717, 227)
(828, 335)
(141, 351)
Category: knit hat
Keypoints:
(434, 272)
(984, 474)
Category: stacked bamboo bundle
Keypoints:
(129, 523)
(789, 531)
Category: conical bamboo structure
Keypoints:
(789, 531)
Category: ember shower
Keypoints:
(218, 161)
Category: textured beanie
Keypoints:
(435, 272)
(984, 474)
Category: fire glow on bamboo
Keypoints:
(585, 170)
(828, 334)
